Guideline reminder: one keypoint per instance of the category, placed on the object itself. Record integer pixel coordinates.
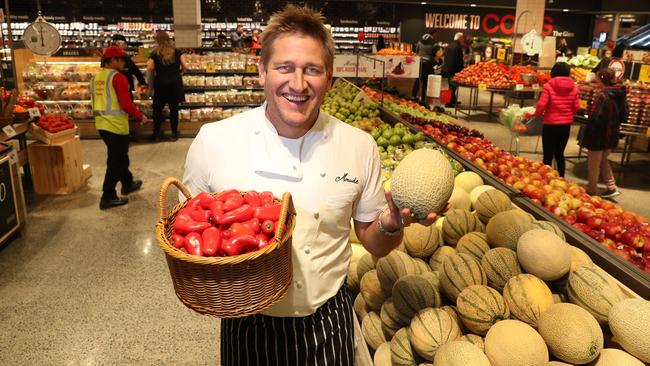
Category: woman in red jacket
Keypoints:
(558, 103)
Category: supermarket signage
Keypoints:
(490, 23)
(130, 19)
(93, 18)
(247, 19)
(348, 22)
(345, 65)
(644, 74)
(618, 66)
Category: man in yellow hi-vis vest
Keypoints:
(112, 106)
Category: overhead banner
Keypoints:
(345, 65)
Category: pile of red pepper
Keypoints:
(54, 123)
(226, 224)
(517, 70)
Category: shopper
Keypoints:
(563, 48)
(130, 68)
(558, 103)
(620, 48)
(166, 63)
(237, 37)
(601, 135)
(424, 49)
(604, 62)
(255, 44)
(381, 43)
(112, 105)
(333, 174)
(452, 64)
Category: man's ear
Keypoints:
(261, 69)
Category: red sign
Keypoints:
(618, 66)
(492, 23)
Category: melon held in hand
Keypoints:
(422, 182)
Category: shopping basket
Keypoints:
(228, 287)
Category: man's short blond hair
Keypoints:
(301, 21)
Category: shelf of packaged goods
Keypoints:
(222, 105)
(625, 272)
(188, 88)
(55, 83)
(46, 102)
(221, 72)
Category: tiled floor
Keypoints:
(91, 287)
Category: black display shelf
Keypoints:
(188, 88)
(221, 72)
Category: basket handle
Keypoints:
(287, 209)
(162, 198)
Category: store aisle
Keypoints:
(91, 287)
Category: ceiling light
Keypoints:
(565, 10)
(472, 5)
(423, 3)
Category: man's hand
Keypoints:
(144, 120)
(396, 218)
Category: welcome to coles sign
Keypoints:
(489, 23)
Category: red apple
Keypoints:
(595, 222)
(606, 205)
(581, 226)
(560, 211)
(537, 194)
(583, 214)
(612, 230)
(519, 185)
(609, 244)
(571, 219)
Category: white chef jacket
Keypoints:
(333, 174)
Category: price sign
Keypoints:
(211, 69)
(9, 131)
(501, 54)
(251, 68)
(593, 51)
(519, 86)
(644, 74)
(34, 112)
(583, 104)
(535, 86)
(482, 87)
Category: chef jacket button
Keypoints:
(324, 135)
(257, 132)
(315, 214)
(307, 249)
(298, 284)
(296, 313)
(322, 174)
(295, 168)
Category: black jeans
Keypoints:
(158, 105)
(423, 80)
(117, 163)
(554, 140)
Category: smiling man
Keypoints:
(333, 173)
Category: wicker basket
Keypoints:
(228, 287)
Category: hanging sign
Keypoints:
(644, 73)
(618, 66)
(532, 43)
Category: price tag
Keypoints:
(583, 104)
(482, 87)
(251, 68)
(9, 131)
(644, 74)
(501, 54)
(211, 69)
(519, 86)
(535, 86)
(593, 51)
(34, 112)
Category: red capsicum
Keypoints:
(223, 196)
(241, 214)
(178, 241)
(184, 224)
(268, 227)
(268, 212)
(239, 245)
(194, 243)
(216, 211)
(192, 203)
(211, 241)
(262, 241)
(266, 198)
(233, 202)
(201, 215)
(253, 224)
(205, 200)
(239, 229)
(253, 198)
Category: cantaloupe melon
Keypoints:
(549, 226)
(474, 244)
(382, 355)
(437, 258)
(474, 339)
(480, 307)
(468, 181)
(451, 310)
(360, 307)
(421, 241)
(421, 266)
(401, 248)
(433, 279)
(544, 254)
(615, 357)
(413, 293)
(476, 192)
(366, 263)
(505, 228)
(458, 223)
(459, 272)
(422, 182)
(358, 251)
(629, 321)
(490, 203)
(558, 363)
(393, 266)
(371, 290)
(459, 353)
(431, 328)
(371, 329)
(558, 298)
(392, 316)
(590, 288)
(512, 342)
(499, 265)
(460, 199)
(579, 258)
(527, 297)
(571, 333)
(353, 279)
(400, 349)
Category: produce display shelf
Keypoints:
(613, 264)
(220, 72)
(224, 105)
(216, 88)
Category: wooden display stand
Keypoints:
(57, 168)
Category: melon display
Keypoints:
(459, 353)
(371, 290)
(371, 329)
(549, 226)
(544, 254)
(437, 258)
(558, 363)
(468, 181)
(366, 263)
(527, 297)
(413, 293)
(460, 199)
(458, 223)
(505, 228)
(391, 318)
(558, 298)
(393, 266)
(431, 328)
(451, 310)
(401, 352)
(474, 244)
(590, 288)
(474, 339)
(480, 307)
(615, 357)
(459, 272)
(512, 342)
(421, 266)
(382, 355)
(490, 203)
(571, 333)
(423, 182)
(360, 307)
(421, 241)
(629, 321)
(579, 258)
(353, 279)
(433, 279)
(499, 265)
(476, 192)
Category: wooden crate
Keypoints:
(51, 138)
(58, 168)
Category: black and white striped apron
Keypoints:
(323, 338)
